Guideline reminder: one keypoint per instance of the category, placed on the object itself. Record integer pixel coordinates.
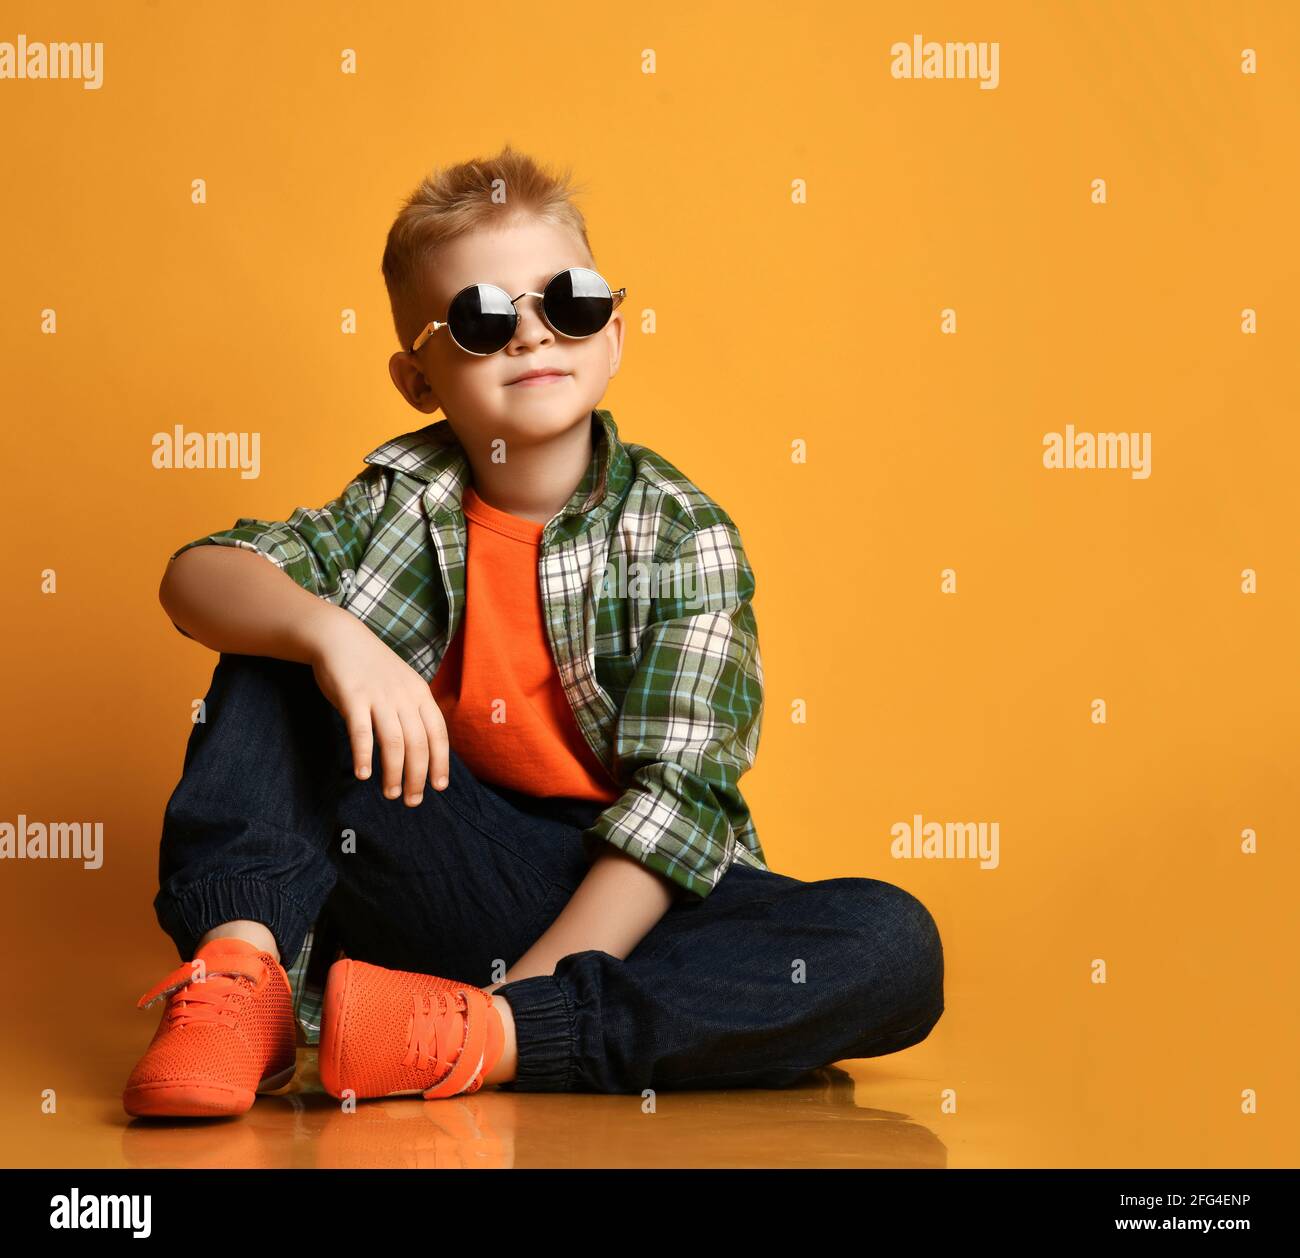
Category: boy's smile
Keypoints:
(523, 415)
(539, 375)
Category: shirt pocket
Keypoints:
(614, 674)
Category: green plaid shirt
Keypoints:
(646, 595)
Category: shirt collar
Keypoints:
(434, 454)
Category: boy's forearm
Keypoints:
(613, 909)
(233, 600)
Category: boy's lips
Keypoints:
(540, 375)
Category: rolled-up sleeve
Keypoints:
(689, 726)
(320, 548)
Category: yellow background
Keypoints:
(776, 321)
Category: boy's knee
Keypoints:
(920, 1030)
(897, 922)
(921, 931)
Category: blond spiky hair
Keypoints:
(452, 200)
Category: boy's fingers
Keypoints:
(391, 746)
(439, 758)
(417, 754)
(362, 739)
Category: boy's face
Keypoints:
(477, 394)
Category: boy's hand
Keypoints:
(374, 689)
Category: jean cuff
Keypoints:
(189, 914)
(544, 1034)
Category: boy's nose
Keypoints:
(531, 326)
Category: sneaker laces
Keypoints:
(430, 1012)
(187, 999)
(207, 1001)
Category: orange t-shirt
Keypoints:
(497, 686)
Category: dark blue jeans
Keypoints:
(753, 985)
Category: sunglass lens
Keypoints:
(482, 319)
(578, 302)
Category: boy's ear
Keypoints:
(410, 381)
(614, 334)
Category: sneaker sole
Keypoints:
(197, 1100)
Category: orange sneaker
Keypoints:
(220, 1041)
(396, 1033)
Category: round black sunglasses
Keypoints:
(482, 318)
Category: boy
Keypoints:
(552, 631)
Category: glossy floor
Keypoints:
(823, 1124)
(1000, 1082)
(69, 1068)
